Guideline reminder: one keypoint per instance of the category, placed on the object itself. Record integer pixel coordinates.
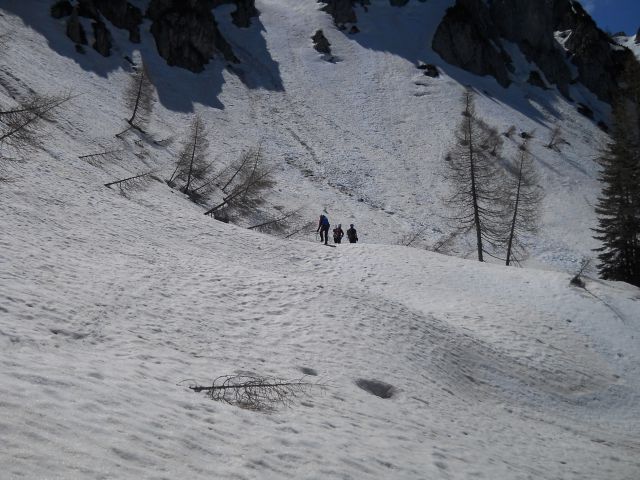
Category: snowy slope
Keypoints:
(363, 138)
(108, 301)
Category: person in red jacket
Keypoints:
(338, 233)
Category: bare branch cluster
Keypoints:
(255, 393)
(139, 98)
(277, 223)
(20, 125)
(135, 182)
(192, 165)
(244, 190)
(556, 139)
(473, 170)
(501, 209)
(524, 198)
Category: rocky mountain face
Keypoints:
(558, 36)
(343, 11)
(185, 31)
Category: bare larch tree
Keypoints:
(139, 98)
(192, 165)
(20, 125)
(525, 196)
(246, 190)
(477, 180)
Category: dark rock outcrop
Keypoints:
(638, 37)
(536, 80)
(123, 15)
(75, 30)
(102, 38)
(320, 43)
(467, 38)
(471, 33)
(186, 33)
(245, 10)
(62, 8)
(342, 11)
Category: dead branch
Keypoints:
(129, 183)
(19, 125)
(255, 393)
(276, 221)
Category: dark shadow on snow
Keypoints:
(178, 89)
(408, 31)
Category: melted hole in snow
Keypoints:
(308, 371)
(67, 333)
(377, 388)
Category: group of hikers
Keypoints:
(338, 233)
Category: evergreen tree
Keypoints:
(618, 207)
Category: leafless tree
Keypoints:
(524, 200)
(555, 138)
(477, 181)
(20, 125)
(192, 163)
(510, 131)
(278, 223)
(245, 159)
(305, 227)
(256, 393)
(577, 280)
(247, 190)
(139, 97)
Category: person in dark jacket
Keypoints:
(352, 234)
(323, 228)
(338, 233)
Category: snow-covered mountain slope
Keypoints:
(363, 138)
(108, 301)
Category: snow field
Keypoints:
(109, 302)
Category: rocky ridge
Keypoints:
(557, 36)
(185, 31)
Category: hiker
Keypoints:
(323, 228)
(338, 233)
(352, 235)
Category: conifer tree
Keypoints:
(618, 207)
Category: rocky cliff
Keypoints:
(185, 31)
(558, 36)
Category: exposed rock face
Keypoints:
(62, 8)
(320, 43)
(186, 33)
(467, 38)
(123, 15)
(75, 31)
(342, 11)
(245, 10)
(102, 42)
(470, 37)
(638, 37)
